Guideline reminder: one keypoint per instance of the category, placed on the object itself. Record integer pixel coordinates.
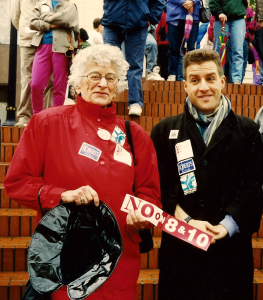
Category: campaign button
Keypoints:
(186, 166)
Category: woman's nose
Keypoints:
(103, 82)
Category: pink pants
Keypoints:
(46, 62)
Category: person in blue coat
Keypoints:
(128, 21)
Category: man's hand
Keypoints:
(206, 227)
(82, 195)
(136, 220)
(250, 47)
(222, 18)
(260, 24)
(189, 5)
(222, 232)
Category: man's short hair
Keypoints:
(200, 56)
(96, 23)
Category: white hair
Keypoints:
(103, 55)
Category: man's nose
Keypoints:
(203, 85)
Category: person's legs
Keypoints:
(175, 37)
(60, 76)
(237, 32)
(151, 52)
(163, 59)
(245, 58)
(42, 68)
(261, 72)
(113, 35)
(24, 111)
(134, 49)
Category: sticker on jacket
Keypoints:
(122, 155)
(90, 151)
(173, 134)
(186, 166)
(184, 150)
(188, 182)
(118, 136)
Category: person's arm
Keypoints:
(15, 13)
(25, 174)
(36, 23)
(67, 18)
(216, 8)
(156, 8)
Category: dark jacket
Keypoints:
(176, 11)
(233, 9)
(132, 14)
(228, 176)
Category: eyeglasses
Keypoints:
(96, 77)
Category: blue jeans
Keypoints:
(237, 31)
(151, 52)
(175, 37)
(134, 52)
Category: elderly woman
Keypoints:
(71, 154)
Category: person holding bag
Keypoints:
(57, 26)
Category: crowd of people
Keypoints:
(202, 166)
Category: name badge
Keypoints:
(173, 134)
(118, 136)
(186, 166)
(90, 151)
(184, 150)
(122, 155)
(188, 182)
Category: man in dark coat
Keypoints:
(210, 164)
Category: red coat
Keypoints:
(48, 156)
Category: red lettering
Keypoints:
(143, 210)
(133, 203)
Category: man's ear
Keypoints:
(185, 85)
(223, 81)
(77, 89)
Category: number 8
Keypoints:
(171, 225)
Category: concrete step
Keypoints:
(17, 222)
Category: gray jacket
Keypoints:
(65, 15)
(259, 10)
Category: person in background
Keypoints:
(20, 16)
(231, 14)
(177, 11)
(95, 35)
(259, 12)
(163, 45)
(128, 21)
(256, 68)
(83, 37)
(88, 138)
(210, 163)
(151, 52)
(57, 26)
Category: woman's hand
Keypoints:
(136, 220)
(82, 195)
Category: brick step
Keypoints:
(12, 285)
(5, 201)
(3, 170)
(10, 134)
(17, 222)
(7, 152)
(13, 254)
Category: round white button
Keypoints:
(104, 134)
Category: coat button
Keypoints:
(201, 203)
(55, 39)
(51, 202)
(204, 162)
(102, 163)
(98, 120)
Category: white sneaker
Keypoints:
(171, 78)
(122, 85)
(154, 75)
(135, 109)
